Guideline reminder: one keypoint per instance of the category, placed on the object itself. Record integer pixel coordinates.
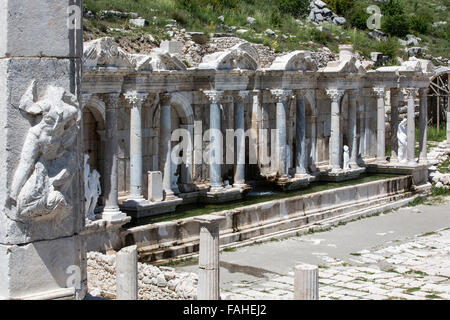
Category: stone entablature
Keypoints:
(229, 91)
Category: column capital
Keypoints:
(213, 95)
(281, 95)
(112, 100)
(135, 98)
(379, 91)
(353, 93)
(411, 92)
(241, 96)
(335, 94)
(164, 99)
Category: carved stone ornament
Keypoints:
(48, 161)
(402, 136)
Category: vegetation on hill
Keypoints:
(288, 18)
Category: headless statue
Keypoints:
(346, 158)
(402, 137)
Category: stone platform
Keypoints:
(341, 175)
(419, 171)
(296, 183)
(225, 195)
(143, 209)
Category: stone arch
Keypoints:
(93, 118)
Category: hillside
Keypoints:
(281, 25)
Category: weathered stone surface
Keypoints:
(38, 28)
(39, 267)
(155, 190)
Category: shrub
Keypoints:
(390, 47)
(358, 18)
(392, 8)
(341, 7)
(296, 8)
(275, 18)
(397, 25)
(419, 24)
(318, 36)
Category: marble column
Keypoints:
(306, 282)
(335, 150)
(352, 128)
(239, 127)
(395, 99)
(208, 262)
(166, 144)
(411, 95)
(381, 125)
(215, 152)
(281, 97)
(300, 135)
(111, 178)
(423, 121)
(135, 100)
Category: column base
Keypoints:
(340, 175)
(224, 195)
(241, 186)
(110, 214)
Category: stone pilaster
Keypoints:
(411, 95)
(335, 150)
(166, 144)
(216, 145)
(42, 255)
(448, 127)
(135, 100)
(208, 262)
(281, 97)
(352, 128)
(423, 120)
(127, 274)
(395, 99)
(381, 125)
(239, 127)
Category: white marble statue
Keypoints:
(48, 162)
(402, 137)
(346, 158)
(96, 191)
(92, 189)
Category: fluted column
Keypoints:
(300, 135)
(281, 97)
(208, 262)
(111, 210)
(423, 120)
(239, 127)
(306, 282)
(335, 150)
(352, 130)
(215, 151)
(135, 101)
(381, 125)
(127, 274)
(411, 95)
(166, 144)
(394, 123)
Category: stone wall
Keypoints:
(154, 283)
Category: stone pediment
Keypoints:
(345, 65)
(295, 61)
(241, 57)
(105, 52)
(163, 60)
(407, 66)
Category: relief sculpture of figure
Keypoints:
(402, 137)
(48, 160)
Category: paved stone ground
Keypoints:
(416, 269)
(403, 254)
